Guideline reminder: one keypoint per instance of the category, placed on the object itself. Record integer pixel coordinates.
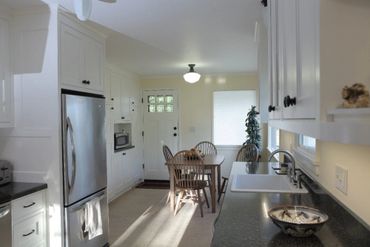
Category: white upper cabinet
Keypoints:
(293, 57)
(81, 58)
(122, 92)
(6, 85)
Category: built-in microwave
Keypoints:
(121, 141)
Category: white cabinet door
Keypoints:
(126, 96)
(71, 56)
(294, 58)
(94, 59)
(6, 85)
(308, 13)
(288, 18)
(274, 105)
(115, 81)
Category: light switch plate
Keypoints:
(341, 179)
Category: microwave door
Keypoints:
(84, 150)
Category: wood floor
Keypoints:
(140, 218)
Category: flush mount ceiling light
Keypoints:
(191, 76)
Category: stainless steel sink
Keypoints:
(264, 183)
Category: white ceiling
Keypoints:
(160, 37)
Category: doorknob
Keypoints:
(174, 134)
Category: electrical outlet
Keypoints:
(341, 179)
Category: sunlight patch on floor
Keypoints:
(156, 226)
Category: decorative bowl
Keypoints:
(298, 221)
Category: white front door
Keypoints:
(160, 128)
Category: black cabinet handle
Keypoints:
(174, 134)
(122, 117)
(86, 82)
(175, 128)
(271, 108)
(123, 154)
(112, 108)
(112, 99)
(288, 101)
(27, 234)
(29, 205)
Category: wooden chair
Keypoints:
(247, 153)
(188, 178)
(167, 156)
(206, 147)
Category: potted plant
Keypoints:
(253, 128)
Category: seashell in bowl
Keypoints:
(298, 221)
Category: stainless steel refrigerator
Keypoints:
(84, 169)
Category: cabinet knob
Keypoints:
(175, 128)
(112, 108)
(122, 117)
(86, 82)
(174, 134)
(123, 154)
(271, 108)
(288, 101)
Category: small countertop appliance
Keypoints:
(6, 169)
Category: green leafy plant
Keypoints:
(253, 128)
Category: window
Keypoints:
(230, 110)
(273, 138)
(307, 143)
(160, 103)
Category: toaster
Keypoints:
(6, 170)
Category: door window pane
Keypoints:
(160, 108)
(169, 99)
(151, 99)
(169, 108)
(160, 99)
(151, 108)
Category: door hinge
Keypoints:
(143, 166)
(142, 133)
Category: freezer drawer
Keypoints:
(73, 224)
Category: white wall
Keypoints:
(33, 144)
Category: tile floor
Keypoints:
(141, 218)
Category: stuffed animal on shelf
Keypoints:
(355, 96)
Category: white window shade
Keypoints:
(230, 110)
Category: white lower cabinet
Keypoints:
(29, 220)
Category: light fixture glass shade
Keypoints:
(191, 76)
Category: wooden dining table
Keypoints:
(210, 162)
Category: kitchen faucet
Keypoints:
(292, 171)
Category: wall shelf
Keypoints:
(346, 132)
(349, 115)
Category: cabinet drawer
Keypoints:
(27, 205)
(30, 232)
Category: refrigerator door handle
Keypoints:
(70, 128)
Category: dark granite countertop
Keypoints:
(14, 190)
(243, 220)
